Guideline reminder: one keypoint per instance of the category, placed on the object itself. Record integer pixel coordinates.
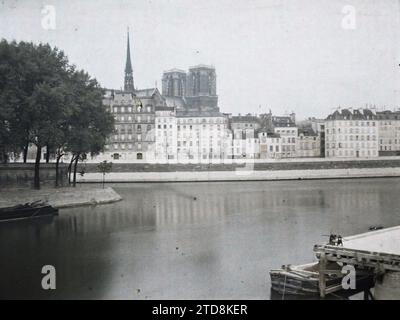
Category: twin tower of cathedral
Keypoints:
(197, 88)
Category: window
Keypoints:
(139, 156)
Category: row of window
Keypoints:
(202, 120)
(165, 120)
(388, 148)
(204, 151)
(351, 153)
(289, 140)
(129, 137)
(190, 143)
(136, 119)
(307, 145)
(350, 123)
(123, 146)
(245, 125)
(351, 138)
(382, 141)
(130, 109)
(285, 131)
(351, 145)
(351, 130)
(139, 129)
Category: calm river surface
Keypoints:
(189, 240)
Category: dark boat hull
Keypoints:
(26, 212)
(300, 280)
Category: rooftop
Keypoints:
(174, 70)
(245, 118)
(202, 66)
(352, 114)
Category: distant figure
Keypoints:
(335, 240)
(332, 238)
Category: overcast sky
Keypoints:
(306, 56)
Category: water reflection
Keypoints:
(188, 240)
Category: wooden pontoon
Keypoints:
(378, 251)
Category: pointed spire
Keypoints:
(128, 83)
(128, 65)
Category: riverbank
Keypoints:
(242, 174)
(60, 197)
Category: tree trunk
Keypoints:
(36, 179)
(59, 156)
(25, 151)
(4, 156)
(75, 167)
(47, 153)
(70, 169)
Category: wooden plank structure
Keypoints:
(376, 251)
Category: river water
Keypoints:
(188, 240)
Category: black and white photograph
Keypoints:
(225, 151)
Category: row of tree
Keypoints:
(45, 101)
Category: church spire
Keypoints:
(128, 83)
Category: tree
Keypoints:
(44, 101)
(90, 124)
(104, 167)
(49, 112)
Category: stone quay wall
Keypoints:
(303, 164)
(20, 175)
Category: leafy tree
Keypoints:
(90, 124)
(44, 101)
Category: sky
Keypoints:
(302, 56)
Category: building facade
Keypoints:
(288, 135)
(270, 145)
(308, 143)
(389, 132)
(202, 136)
(351, 133)
(165, 134)
(134, 114)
